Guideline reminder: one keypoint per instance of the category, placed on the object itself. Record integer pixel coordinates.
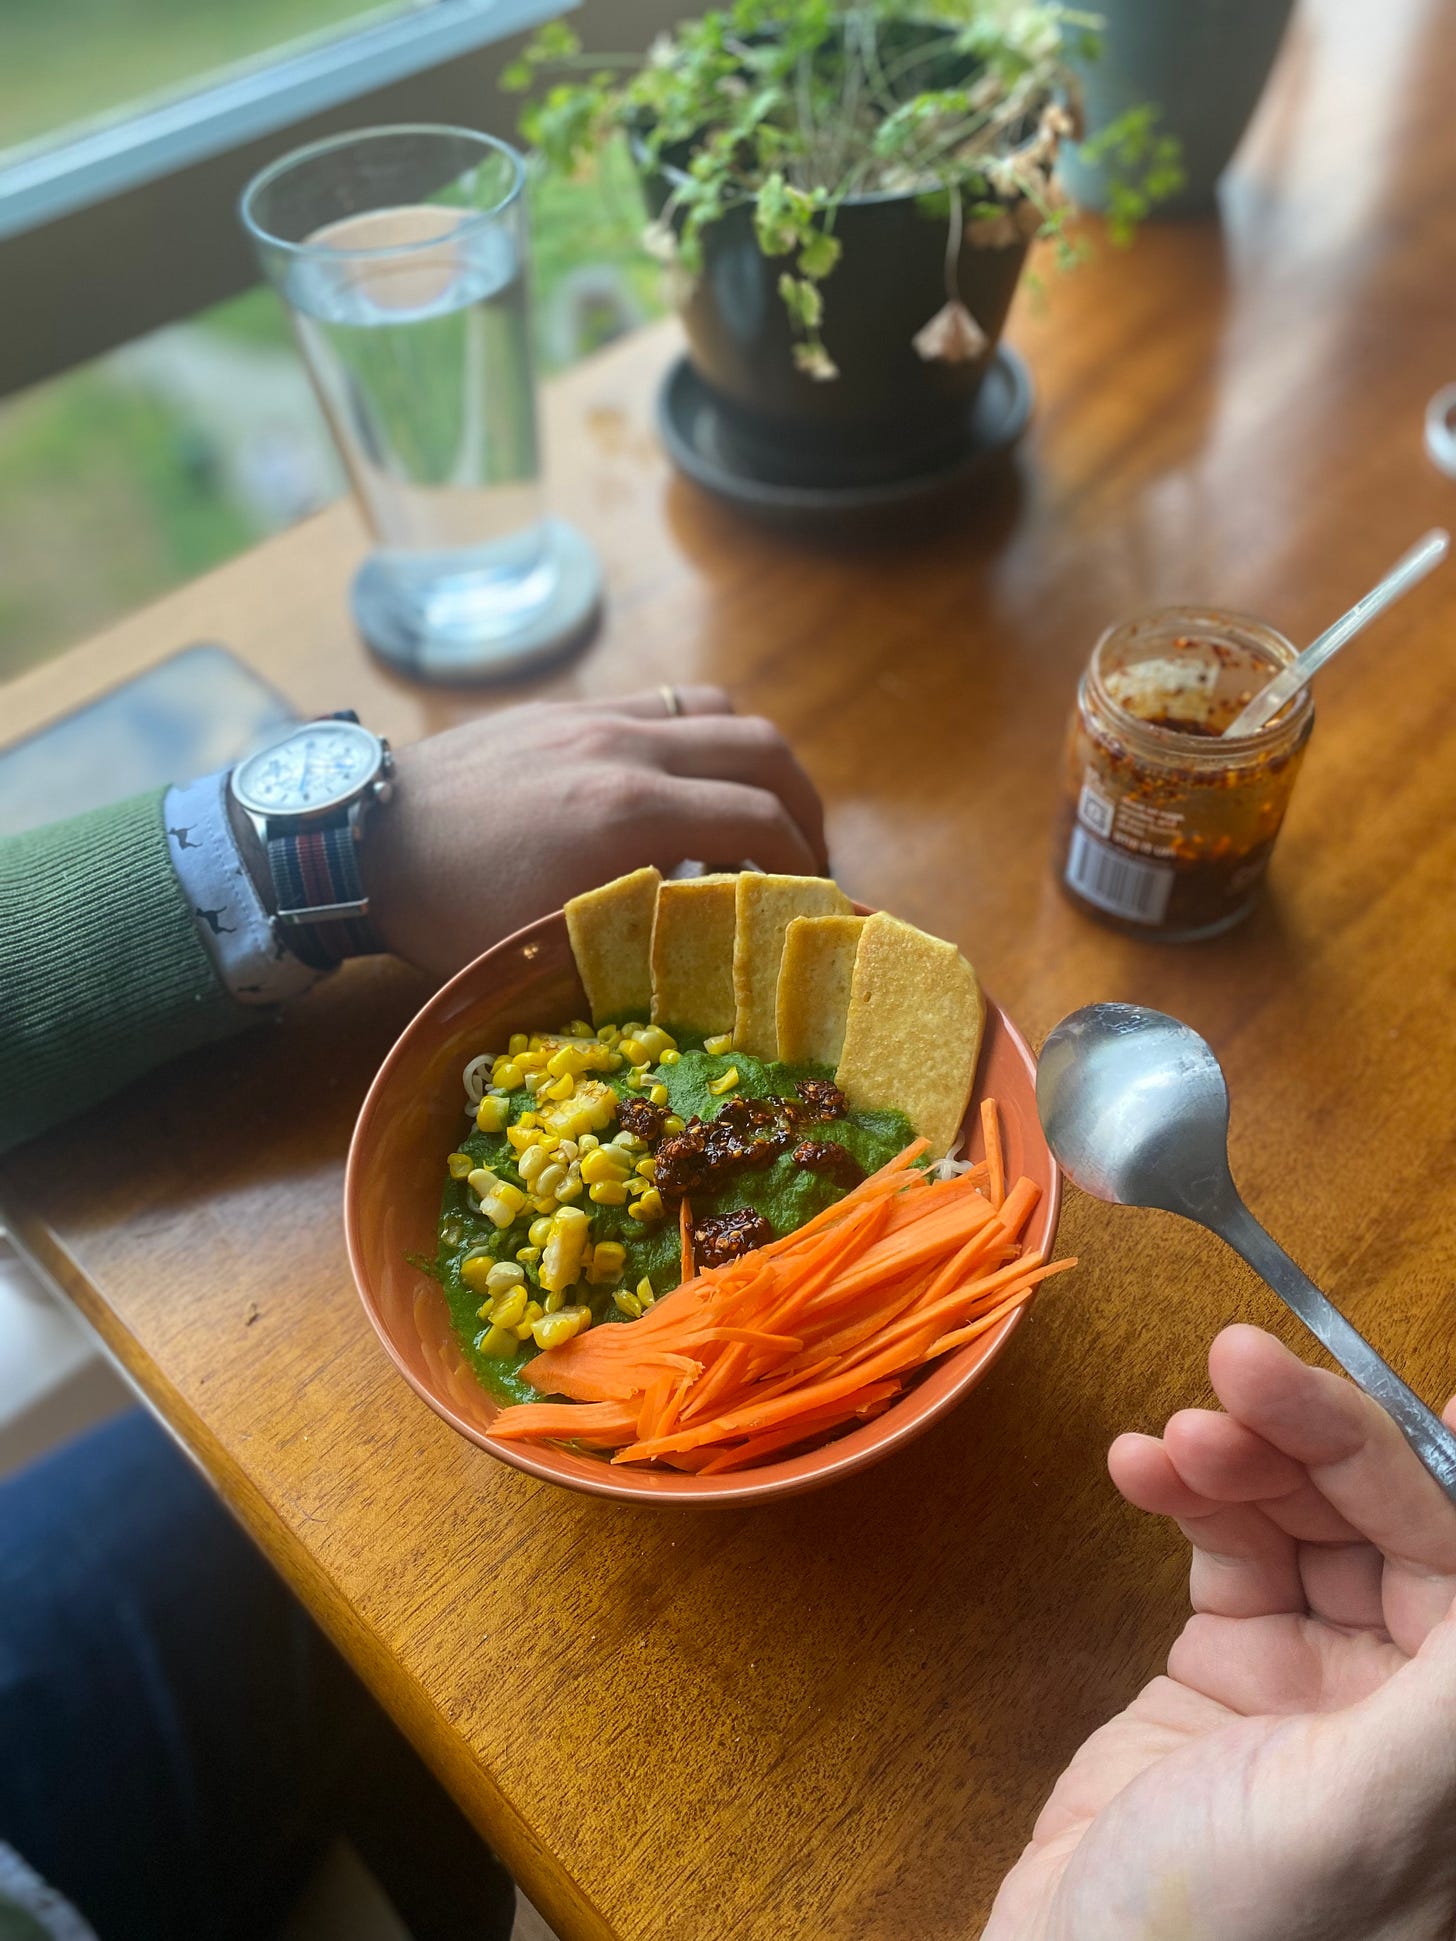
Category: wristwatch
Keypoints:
(306, 799)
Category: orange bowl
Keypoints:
(413, 1116)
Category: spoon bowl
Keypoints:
(1136, 1111)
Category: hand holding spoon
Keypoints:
(1407, 571)
(1135, 1108)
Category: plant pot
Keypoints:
(1204, 63)
(889, 409)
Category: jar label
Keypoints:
(1123, 885)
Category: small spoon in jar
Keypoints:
(1407, 571)
(1136, 1111)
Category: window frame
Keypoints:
(132, 222)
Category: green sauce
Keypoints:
(786, 1195)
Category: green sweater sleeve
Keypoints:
(102, 972)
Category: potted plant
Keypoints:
(844, 197)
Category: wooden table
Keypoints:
(836, 1718)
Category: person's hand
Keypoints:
(499, 821)
(1293, 1778)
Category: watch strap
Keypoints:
(317, 870)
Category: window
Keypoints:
(150, 465)
(92, 58)
(154, 418)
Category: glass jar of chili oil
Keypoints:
(1166, 829)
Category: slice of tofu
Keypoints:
(912, 1033)
(765, 907)
(611, 940)
(692, 955)
(815, 974)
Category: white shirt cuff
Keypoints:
(251, 961)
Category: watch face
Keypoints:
(317, 766)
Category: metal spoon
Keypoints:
(1135, 1108)
(1408, 571)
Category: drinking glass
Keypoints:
(402, 257)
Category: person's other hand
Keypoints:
(1293, 1777)
(499, 821)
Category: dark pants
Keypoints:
(178, 1744)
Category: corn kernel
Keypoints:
(555, 1301)
(648, 1208)
(509, 1306)
(608, 1262)
(502, 1206)
(482, 1181)
(636, 1187)
(475, 1272)
(518, 1041)
(588, 1142)
(459, 1165)
(520, 1136)
(673, 1123)
(561, 1257)
(646, 1293)
(550, 1178)
(559, 1088)
(672, 1057)
(718, 1046)
(522, 1330)
(533, 1082)
(540, 1231)
(491, 1114)
(565, 1063)
(556, 1328)
(528, 1256)
(629, 1142)
(572, 1190)
(499, 1342)
(608, 1192)
(635, 1052)
(533, 1060)
(660, 1095)
(606, 1163)
(609, 1034)
(503, 1276)
(646, 1168)
(528, 1121)
(627, 1304)
(506, 1075)
(532, 1163)
(579, 1028)
(718, 1086)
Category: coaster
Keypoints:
(447, 632)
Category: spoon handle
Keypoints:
(1408, 571)
(1424, 1430)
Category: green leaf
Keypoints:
(781, 216)
(802, 301)
(555, 42)
(819, 255)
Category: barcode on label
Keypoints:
(1117, 883)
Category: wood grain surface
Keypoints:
(836, 1718)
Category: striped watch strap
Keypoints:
(318, 870)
